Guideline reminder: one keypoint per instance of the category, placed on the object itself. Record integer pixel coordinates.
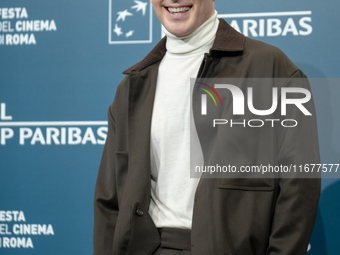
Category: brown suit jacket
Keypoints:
(231, 216)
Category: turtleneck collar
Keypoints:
(199, 41)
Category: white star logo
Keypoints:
(122, 15)
(140, 6)
(118, 30)
(128, 34)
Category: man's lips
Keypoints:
(178, 10)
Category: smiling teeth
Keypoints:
(177, 10)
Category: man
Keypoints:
(145, 200)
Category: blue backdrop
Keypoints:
(61, 62)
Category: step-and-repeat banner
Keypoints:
(60, 64)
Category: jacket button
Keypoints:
(139, 212)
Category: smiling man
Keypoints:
(146, 202)
(181, 18)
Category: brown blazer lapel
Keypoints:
(141, 99)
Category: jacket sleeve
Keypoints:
(105, 197)
(297, 200)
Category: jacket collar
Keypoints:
(227, 40)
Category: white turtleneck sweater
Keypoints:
(172, 189)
